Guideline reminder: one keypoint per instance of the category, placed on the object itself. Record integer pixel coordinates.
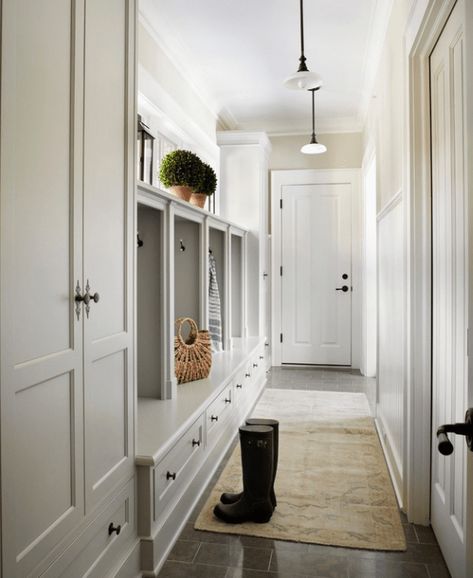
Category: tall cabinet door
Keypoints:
(108, 244)
(41, 227)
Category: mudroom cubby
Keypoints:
(237, 282)
(184, 430)
(188, 263)
(218, 249)
(150, 300)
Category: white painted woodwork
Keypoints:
(67, 180)
(316, 251)
(348, 236)
(451, 487)
(41, 339)
(390, 370)
(218, 246)
(109, 130)
(244, 180)
(369, 308)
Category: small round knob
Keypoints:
(112, 529)
(247, 374)
(214, 418)
(228, 400)
(239, 385)
(261, 356)
(266, 344)
(196, 443)
(170, 476)
(95, 297)
(255, 365)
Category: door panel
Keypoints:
(108, 229)
(316, 252)
(450, 291)
(41, 341)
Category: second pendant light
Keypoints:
(314, 147)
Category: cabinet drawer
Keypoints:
(176, 468)
(240, 387)
(99, 547)
(219, 409)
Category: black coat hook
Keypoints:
(139, 241)
(182, 247)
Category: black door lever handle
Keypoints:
(344, 288)
(445, 446)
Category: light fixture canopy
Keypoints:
(303, 79)
(314, 147)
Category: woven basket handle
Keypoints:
(193, 332)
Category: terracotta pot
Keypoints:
(198, 199)
(181, 192)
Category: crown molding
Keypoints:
(243, 137)
(179, 56)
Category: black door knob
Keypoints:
(445, 446)
(344, 288)
(112, 529)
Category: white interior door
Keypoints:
(452, 487)
(316, 274)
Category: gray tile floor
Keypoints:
(206, 555)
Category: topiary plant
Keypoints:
(181, 168)
(208, 182)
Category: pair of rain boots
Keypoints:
(259, 442)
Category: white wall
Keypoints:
(344, 151)
(384, 131)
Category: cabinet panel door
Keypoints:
(41, 224)
(109, 128)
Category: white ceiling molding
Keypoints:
(182, 59)
(172, 118)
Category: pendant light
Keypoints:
(303, 79)
(314, 147)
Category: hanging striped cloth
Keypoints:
(215, 314)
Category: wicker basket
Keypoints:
(193, 357)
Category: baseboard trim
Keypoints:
(394, 473)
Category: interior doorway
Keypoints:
(316, 251)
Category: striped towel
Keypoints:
(215, 314)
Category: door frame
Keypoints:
(281, 178)
(426, 23)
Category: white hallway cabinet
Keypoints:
(67, 227)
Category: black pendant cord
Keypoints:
(313, 139)
(302, 59)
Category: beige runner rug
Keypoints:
(332, 484)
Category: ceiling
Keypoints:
(237, 53)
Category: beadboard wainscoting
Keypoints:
(391, 379)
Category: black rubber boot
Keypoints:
(254, 505)
(227, 498)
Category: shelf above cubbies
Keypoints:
(162, 422)
(147, 194)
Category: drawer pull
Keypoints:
(214, 418)
(228, 400)
(266, 344)
(239, 385)
(255, 365)
(196, 443)
(247, 374)
(116, 529)
(170, 476)
(261, 356)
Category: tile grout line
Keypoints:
(196, 552)
(270, 559)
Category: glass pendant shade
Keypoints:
(313, 148)
(303, 80)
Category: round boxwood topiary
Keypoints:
(208, 182)
(181, 168)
